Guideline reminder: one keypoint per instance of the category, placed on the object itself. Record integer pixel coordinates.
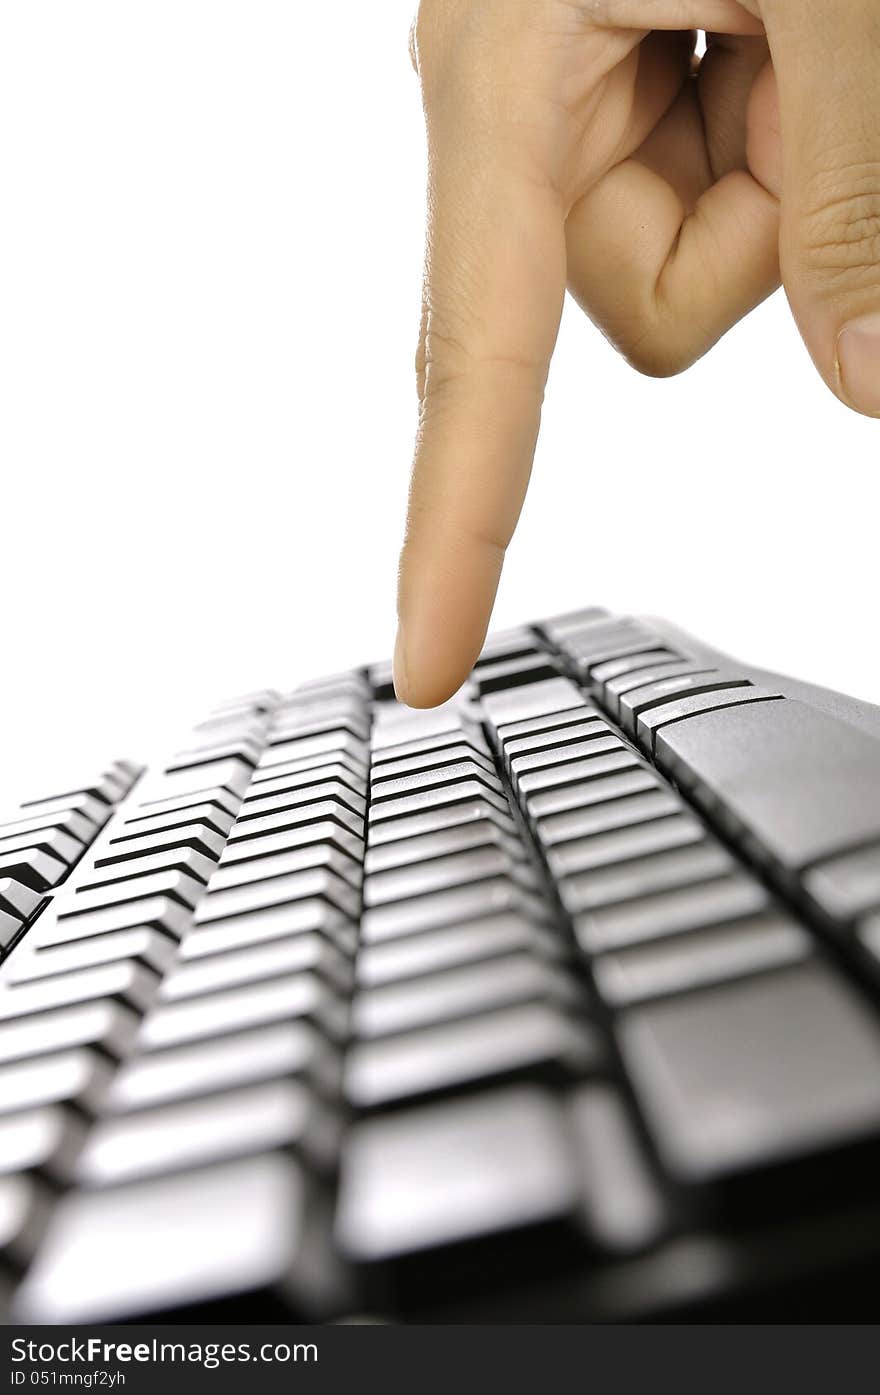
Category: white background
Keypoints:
(210, 248)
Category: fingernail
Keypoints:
(401, 685)
(858, 364)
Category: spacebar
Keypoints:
(797, 783)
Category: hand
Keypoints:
(577, 142)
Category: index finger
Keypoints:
(494, 287)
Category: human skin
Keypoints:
(577, 143)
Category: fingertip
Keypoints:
(428, 692)
(431, 661)
(437, 675)
(447, 588)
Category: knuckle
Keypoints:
(451, 366)
(840, 231)
(657, 353)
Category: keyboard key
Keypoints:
(333, 790)
(247, 722)
(53, 841)
(240, 748)
(559, 626)
(801, 785)
(594, 633)
(32, 867)
(671, 713)
(23, 1210)
(170, 884)
(309, 858)
(535, 1040)
(230, 776)
(315, 720)
(700, 958)
(390, 789)
(533, 700)
(868, 934)
(436, 744)
(670, 912)
(283, 1050)
(199, 838)
(623, 812)
(278, 891)
(350, 681)
(300, 917)
(442, 908)
(203, 804)
(421, 848)
(432, 760)
(17, 900)
(139, 945)
(513, 673)
(161, 913)
(354, 764)
(453, 815)
(50, 813)
(263, 700)
(422, 800)
(507, 644)
(555, 739)
(277, 1114)
(74, 1077)
(632, 663)
(328, 743)
(268, 787)
(598, 791)
(505, 1159)
(256, 962)
(459, 992)
(103, 1023)
(311, 838)
(438, 874)
(624, 644)
(648, 695)
(109, 787)
(70, 822)
(463, 943)
(622, 845)
(252, 1005)
(624, 1206)
(300, 721)
(600, 742)
(603, 886)
(10, 929)
(36, 1138)
(847, 885)
(300, 817)
(614, 756)
(552, 722)
(125, 982)
(755, 1072)
(77, 1277)
(597, 643)
(120, 874)
(209, 814)
(615, 688)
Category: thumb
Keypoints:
(826, 59)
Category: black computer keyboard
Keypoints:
(558, 1003)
